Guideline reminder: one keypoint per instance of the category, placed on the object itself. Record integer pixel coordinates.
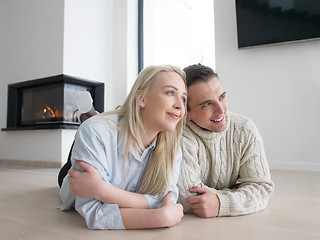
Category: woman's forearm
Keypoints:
(89, 184)
(134, 218)
(124, 199)
(168, 215)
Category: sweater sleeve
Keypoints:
(246, 162)
(254, 178)
(189, 172)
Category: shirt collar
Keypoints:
(133, 150)
(141, 156)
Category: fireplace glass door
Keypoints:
(50, 104)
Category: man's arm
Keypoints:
(255, 185)
(195, 196)
(190, 174)
(250, 195)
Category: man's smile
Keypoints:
(218, 120)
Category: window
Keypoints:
(178, 32)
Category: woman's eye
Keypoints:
(184, 100)
(170, 93)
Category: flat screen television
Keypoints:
(262, 22)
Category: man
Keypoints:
(224, 171)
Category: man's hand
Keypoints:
(88, 184)
(206, 204)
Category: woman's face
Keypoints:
(164, 104)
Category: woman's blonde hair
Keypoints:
(158, 172)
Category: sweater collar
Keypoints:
(205, 134)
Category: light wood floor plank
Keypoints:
(28, 200)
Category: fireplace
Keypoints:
(48, 103)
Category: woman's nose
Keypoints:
(179, 103)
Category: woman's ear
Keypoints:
(140, 100)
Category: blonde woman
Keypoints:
(125, 163)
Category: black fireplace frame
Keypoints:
(15, 100)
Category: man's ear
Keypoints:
(188, 116)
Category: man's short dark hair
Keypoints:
(198, 73)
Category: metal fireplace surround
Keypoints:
(48, 103)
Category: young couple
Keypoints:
(128, 164)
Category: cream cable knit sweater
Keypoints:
(218, 161)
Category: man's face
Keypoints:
(208, 105)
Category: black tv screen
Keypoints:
(261, 22)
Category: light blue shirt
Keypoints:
(99, 143)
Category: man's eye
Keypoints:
(206, 104)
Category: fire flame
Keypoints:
(48, 112)
(53, 114)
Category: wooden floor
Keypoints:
(28, 200)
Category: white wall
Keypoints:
(100, 43)
(88, 42)
(82, 38)
(125, 55)
(278, 87)
(31, 47)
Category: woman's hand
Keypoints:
(172, 213)
(169, 215)
(88, 184)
